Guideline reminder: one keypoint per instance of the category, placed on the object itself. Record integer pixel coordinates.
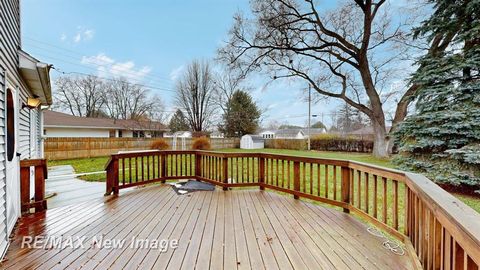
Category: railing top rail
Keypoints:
(460, 220)
(33, 162)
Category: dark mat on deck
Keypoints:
(191, 186)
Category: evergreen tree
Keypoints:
(442, 138)
(242, 115)
(178, 122)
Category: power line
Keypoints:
(131, 75)
(71, 52)
(109, 79)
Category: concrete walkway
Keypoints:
(69, 189)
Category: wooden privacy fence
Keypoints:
(436, 228)
(70, 148)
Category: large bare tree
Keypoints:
(352, 52)
(118, 98)
(80, 95)
(126, 100)
(195, 90)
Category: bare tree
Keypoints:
(227, 83)
(80, 95)
(126, 100)
(195, 95)
(352, 53)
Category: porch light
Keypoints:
(32, 103)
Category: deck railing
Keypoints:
(438, 229)
(39, 175)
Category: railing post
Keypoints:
(296, 178)
(163, 160)
(225, 173)
(261, 173)
(346, 187)
(40, 188)
(115, 188)
(198, 165)
(25, 188)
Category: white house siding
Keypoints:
(55, 132)
(3, 212)
(9, 62)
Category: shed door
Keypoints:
(12, 179)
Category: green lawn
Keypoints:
(97, 164)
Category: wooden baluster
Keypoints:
(136, 169)
(130, 170)
(319, 182)
(163, 161)
(352, 186)
(261, 172)
(159, 175)
(310, 166)
(375, 196)
(154, 168)
(123, 171)
(276, 172)
(289, 174)
(304, 177)
(367, 190)
(326, 181)
(359, 189)
(296, 178)
(225, 172)
(395, 204)
(346, 184)
(143, 169)
(248, 171)
(385, 198)
(148, 167)
(334, 182)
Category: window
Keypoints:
(138, 134)
(111, 134)
(120, 133)
(10, 125)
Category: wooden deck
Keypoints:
(244, 229)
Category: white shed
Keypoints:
(252, 142)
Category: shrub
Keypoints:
(159, 144)
(291, 144)
(201, 143)
(327, 142)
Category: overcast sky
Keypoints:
(151, 42)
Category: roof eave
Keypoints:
(36, 74)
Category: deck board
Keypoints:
(237, 229)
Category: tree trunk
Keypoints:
(380, 142)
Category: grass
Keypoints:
(97, 164)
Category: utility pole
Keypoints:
(309, 113)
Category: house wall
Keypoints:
(55, 132)
(10, 77)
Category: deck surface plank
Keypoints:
(237, 229)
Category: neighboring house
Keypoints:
(24, 88)
(57, 124)
(291, 133)
(252, 142)
(267, 134)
